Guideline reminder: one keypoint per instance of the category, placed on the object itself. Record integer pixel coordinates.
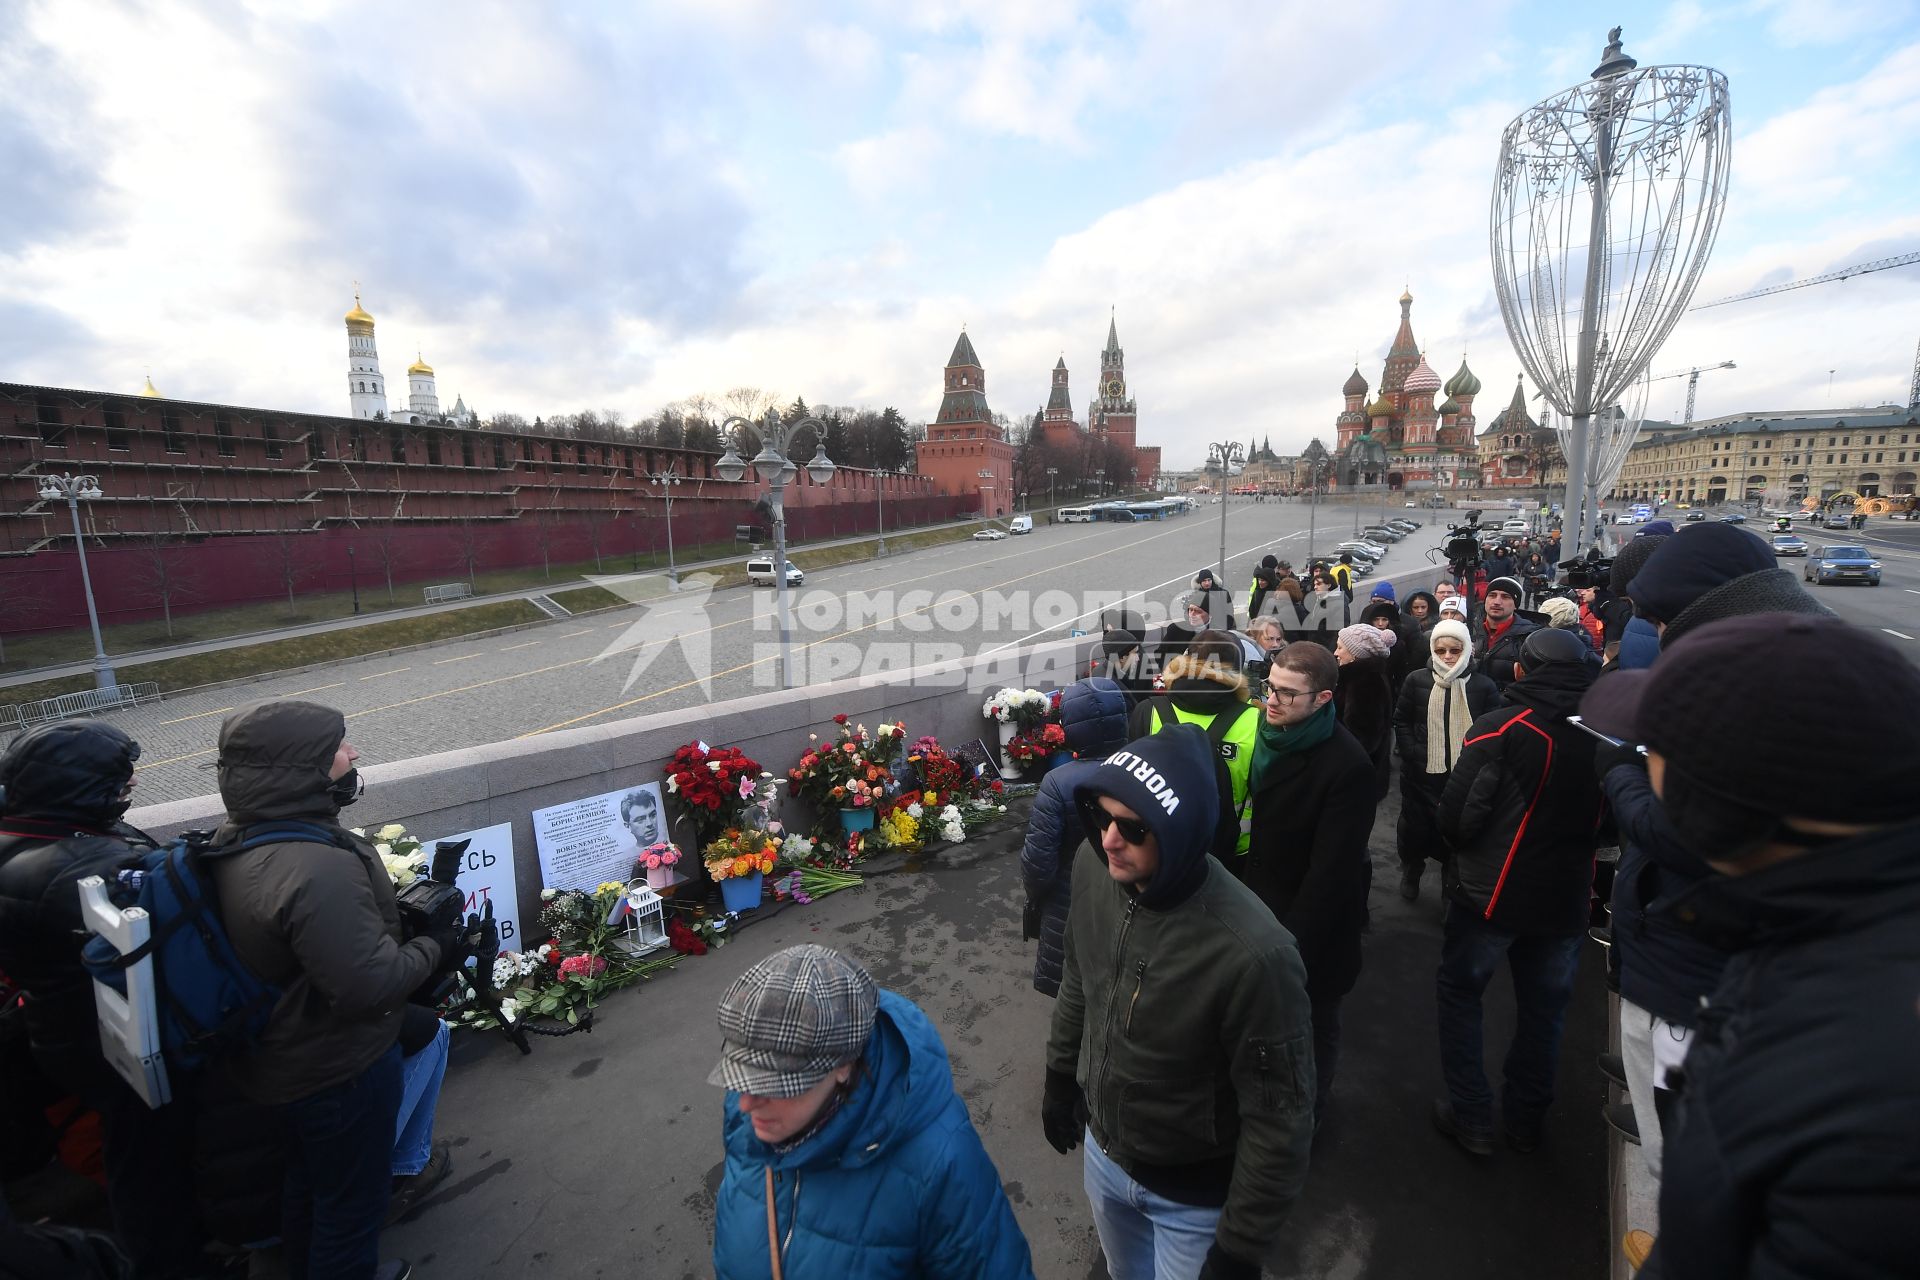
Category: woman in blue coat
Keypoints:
(841, 1114)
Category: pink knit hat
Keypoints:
(1364, 640)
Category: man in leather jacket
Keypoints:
(66, 787)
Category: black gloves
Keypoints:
(1061, 1115)
(451, 939)
(1030, 920)
(1607, 758)
(482, 940)
(1221, 1265)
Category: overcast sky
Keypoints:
(615, 206)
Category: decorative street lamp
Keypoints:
(880, 499)
(771, 464)
(1317, 462)
(1099, 482)
(1051, 473)
(668, 480)
(1223, 455)
(74, 489)
(353, 576)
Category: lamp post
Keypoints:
(772, 465)
(1316, 456)
(668, 480)
(74, 489)
(353, 577)
(1223, 455)
(1099, 482)
(880, 499)
(1051, 473)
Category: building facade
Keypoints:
(1788, 458)
(965, 454)
(1402, 439)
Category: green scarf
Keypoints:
(1278, 741)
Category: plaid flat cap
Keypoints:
(792, 1018)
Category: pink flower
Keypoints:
(582, 966)
(746, 788)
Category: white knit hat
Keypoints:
(1454, 604)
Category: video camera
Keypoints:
(1463, 545)
(434, 904)
(1587, 571)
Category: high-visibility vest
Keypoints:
(1343, 577)
(1233, 734)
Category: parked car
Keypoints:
(760, 573)
(989, 535)
(1789, 544)
(1373, 549)
(1381, 533)
(1841, 564)
(1405, 522)
(1021, 524)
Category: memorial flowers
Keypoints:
(404, 857)
(1025, 708)
(740, 852)
(1037, 744)
(853, 771)
(564, 979)
(715, 783)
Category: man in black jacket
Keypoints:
(1798, 1117)
(1313, 808)
(1183, 1021)
(66, 787)
(1520, 814)
(1498, 635)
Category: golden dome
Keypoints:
(420, 366)
(150, 391)
(1406, 295)
(358, 315)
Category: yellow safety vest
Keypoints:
(1235, 746)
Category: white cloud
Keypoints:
(1842, 139)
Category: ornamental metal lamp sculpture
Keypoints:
(1224, 455)
(73, 490)
(1606, 203)
(772, 466)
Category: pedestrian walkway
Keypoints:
(603, 1151)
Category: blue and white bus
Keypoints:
(1074, 515)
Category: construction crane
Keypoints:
(1693, 381)
(1844, 273)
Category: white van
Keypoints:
(1020, 524)
(760, 573)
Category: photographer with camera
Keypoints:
(318, 919)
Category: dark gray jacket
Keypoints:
(316, 920)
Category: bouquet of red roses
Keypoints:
(1037, 744)
(715, 783)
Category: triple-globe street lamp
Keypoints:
(668, 480)
(774, 468)
(74, 490)
(1224, 455)
(1051, 473)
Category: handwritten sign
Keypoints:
(486, 875)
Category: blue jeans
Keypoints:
(1145, 1236)
(339, 1171)
(420, 1077)
(1543, 969)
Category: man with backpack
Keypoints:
(63, 790)
(317, 919)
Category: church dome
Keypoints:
(1381, 408)
(420, 367)
(1463, 383)
(1355, 385)
(150, 391)
(358, 315)
(1449, 405)
(1423, 378)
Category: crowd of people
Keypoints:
(1198, 883)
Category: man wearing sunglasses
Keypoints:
(1184, 1024)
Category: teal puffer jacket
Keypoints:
(896, 1184)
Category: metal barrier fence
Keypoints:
(85, 702)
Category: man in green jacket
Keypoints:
(1184, 1024)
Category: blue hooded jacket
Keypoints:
(1093, 713)
(895, 1184)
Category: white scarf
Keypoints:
(1447, 716)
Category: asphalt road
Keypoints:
(901, 612)
(1893, 607)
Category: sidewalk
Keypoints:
(133, 657)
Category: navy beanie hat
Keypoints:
(1383, 590)
(1656, 528)
(1168, 778)
(1692, 563)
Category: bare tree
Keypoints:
(596, 524)
(163, 577)
(467, 551)
(289, 560)
(387, 554)
(543, 538)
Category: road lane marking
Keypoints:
(200, 715)
(396, 671)
(571, 634)
(528, 645)
(1890, 631)
(441, 662)
(316, 689)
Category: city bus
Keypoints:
(1074, 515)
